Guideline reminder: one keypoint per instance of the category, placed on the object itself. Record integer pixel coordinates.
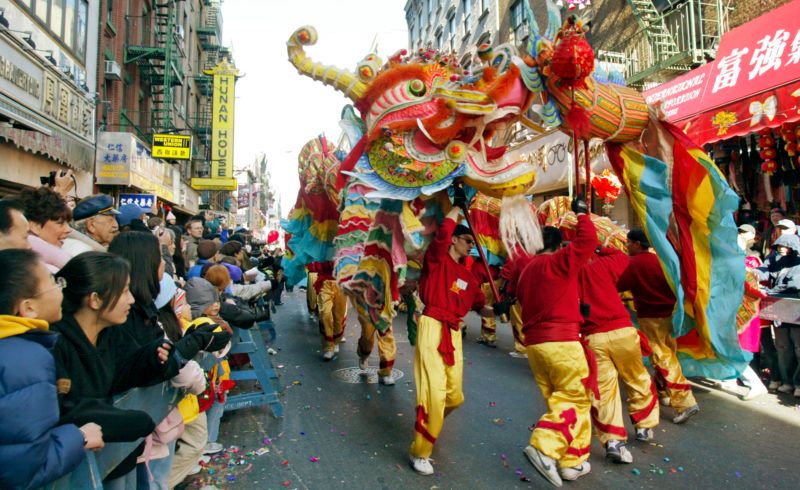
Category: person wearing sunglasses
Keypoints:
(449, 291)
(34, 450)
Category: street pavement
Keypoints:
(355, 435)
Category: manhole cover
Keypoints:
(355, 375)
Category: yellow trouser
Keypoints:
(619, 354)
(332, 312)
(516, 327)
(311, 293)
(665, 362)
(387, 350)
(564, 433)
(488, 323)
(439, 386)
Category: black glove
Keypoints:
(579, 206)
(502, 307)
(202, 338)
(459, 196)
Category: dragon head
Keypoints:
(427, 120)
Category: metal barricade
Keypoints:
(784, 309)
(251, 342)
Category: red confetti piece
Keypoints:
(286, 483)
(285, 462)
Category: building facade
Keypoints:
(48, 58)
(152, 80)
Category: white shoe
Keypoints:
(644, 435)
(797, 392)
(327, 355)
(686, 414)
(545, 465)
(577, 471)
(773, 385)
(386, 380)
(213, 448)
(363, 363)
(336, 349)
(422, 466)
(785, 388)
(757, 391)
(617, 453)
(664, 400)
(518, 355)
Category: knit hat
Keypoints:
(200, 294)
(170, 216)
(206, 249)
(461, 230)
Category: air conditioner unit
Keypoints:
(179, 32)
(113, 70)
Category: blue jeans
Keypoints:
(214, 414)
(159, 469)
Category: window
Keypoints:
(467, 6)
(64, 20)
(110, 12)
(439, 40)
(451, 22)
(421, 20)
(484, 4)
(516, 14)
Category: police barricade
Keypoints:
(250, 342)
(784, 309)
(157, 401)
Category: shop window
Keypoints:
(516, 14)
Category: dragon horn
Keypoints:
(337, 78)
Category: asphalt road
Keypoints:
(355, 435)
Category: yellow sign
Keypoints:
(221, 177)
(172, 146)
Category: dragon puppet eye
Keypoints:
(417, 87)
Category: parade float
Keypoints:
(420, 124)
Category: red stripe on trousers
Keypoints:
(675, 386)
(575, 451)
(422, 417)
(386, 364)
(642, 414)
(608, 428)
(569, 418)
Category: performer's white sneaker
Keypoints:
(363, 363)
(575, 472)
(336, 349)
(422, 466)
(545, 465)
(644, 435)
(686, 414)
(617, 453)
(386, 380)
(327, 355)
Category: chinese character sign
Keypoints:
(172, 146)
(144, 201)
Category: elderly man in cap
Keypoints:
(94, 227)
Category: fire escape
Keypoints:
(674, 37)
(154, 43)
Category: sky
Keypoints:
(277, 110)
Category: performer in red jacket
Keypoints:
(654, 302)
(548, 292)
(449, 291)
(618, 350)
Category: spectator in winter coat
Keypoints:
(48, 215)
(34, 451)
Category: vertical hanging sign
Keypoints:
(221, 177)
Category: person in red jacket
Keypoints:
(654, 303)
(618, 350)
(547, 289)
(449, 291)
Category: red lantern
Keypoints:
(791, 148)
(768, 153)
(573, 58)
(769, 167)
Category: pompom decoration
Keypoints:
(766, 149)
(272, 236)
(608, 187)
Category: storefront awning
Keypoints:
(753, 83)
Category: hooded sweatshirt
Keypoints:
(34, 451)
(782, 272)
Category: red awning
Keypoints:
(753, 83)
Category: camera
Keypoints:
(50, 180)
